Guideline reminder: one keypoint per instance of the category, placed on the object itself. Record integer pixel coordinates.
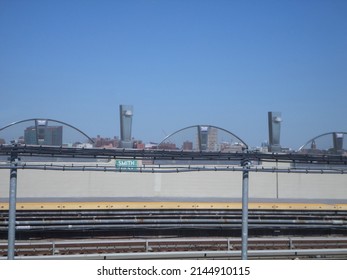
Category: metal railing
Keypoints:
(182, 248)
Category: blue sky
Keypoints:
(179, 63)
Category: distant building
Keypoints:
(274, 120)
(21, 140)
(126, 116)
(84, 145)
(44, 135)
(187, 146)
(151, 146)
(338, 142)
(226, 147)
(167, 146)
(326, 143)
(213, 139)
(208, 138)
(105, 142)
(139, 145)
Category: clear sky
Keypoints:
(179, 63)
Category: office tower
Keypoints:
(126, 115)
(274, 120)
(338, 141)
(207, 138)
(203, 138)
(42, 134)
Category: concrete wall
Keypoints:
(212, 184)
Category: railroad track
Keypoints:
(57, 224)
(155, 247)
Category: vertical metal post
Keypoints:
(12, 208)
(245, 175)
(277, 191)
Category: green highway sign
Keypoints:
(126, 164)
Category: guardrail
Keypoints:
(321, 247)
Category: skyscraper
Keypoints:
(338, 142)
(274, 120)
(207, 138)
(126, 115)
(43, 135)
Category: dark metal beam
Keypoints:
(66, 152)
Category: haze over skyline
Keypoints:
(179, 63)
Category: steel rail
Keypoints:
(256, 254)
(153, 246)
(144, 222)
(105, 227)
(256, 241)
(179, 220)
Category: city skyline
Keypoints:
(179, 63)
(197, 138)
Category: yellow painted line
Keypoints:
(298, 206)
(170, 205)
